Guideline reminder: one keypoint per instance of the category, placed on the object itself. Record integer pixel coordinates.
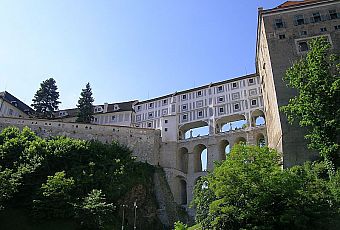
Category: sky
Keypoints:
(126, 49)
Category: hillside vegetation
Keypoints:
(64, 183)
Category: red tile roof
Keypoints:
(294, 3)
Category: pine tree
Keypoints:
(45, 100)
(85, 106)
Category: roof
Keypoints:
(200, 87)
(122, 106)
(9, 98)
(295, 3)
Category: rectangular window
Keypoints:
(316, 17)
(166, 129)
(337, 27)
(234, 85)
(199, 94)
(150, 115)
(149, 124)
(166, 121)
(139, 108)
(165, 102)
(151, 105)
(333, 14)
(299, 20)
(184, 107)
(199, 104)
(200, 114)
(220, 99)
(278, 23)
(185, 117)
(303, 33)
(138, 117)
(113, 118)
(184, 97)
(303, 46)
(237, 106)
(282, 36)
(253, 102)
(220, 89)
(251, 81)
(164, 111)
(323, 29)
(221, 109)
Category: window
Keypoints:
(151, 105)
(184, 97)
(220, 89)
(235, 96)
(221, 110)
(113, 118)
(234, 85)
(251, 81)
(299, 20)
(199, 94)
(95, 119)
(184, 117)
(236, 106)
(282, 36)
(220, 99)
(166, 121)
(278, 23)
(166, 130)
(323, 29)
(150, 115)
(316, 17)
(185, 107)
(337, 27)
(165, 102)
(139, 108)
(165, 111)
(149, 124)
(10, 112)
(200, 114)
(199, 104)
(303, 33)
(138, 117)
(303, 46)
(253, 102)
(333, 14)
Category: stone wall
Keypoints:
(144, 143)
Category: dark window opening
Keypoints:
(333, 14)
(299, 20)
(282, 36)
(303, 46)
(323, 29)
(278, 23)
(317, 17)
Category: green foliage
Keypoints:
(317, 80)
(85, 105)
(250, 191)
(180, 226)
(94, 211)
(47, 177)
(45, 100)
(55, 197)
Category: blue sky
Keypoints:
(126, 49)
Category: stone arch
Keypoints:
(223, 149)
(185, 131)
(233, 122)
(261, 140)
(257, 118)
(183, 191)
(182, 159)
(240, 140)
(200, 164)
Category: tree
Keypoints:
(94, 211)
(317, 81)
(249, 190)
(45, 100)
(85, 106)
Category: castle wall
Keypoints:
(143, 142)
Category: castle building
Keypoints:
(11, 106)
(282, 38)
(245, 109)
